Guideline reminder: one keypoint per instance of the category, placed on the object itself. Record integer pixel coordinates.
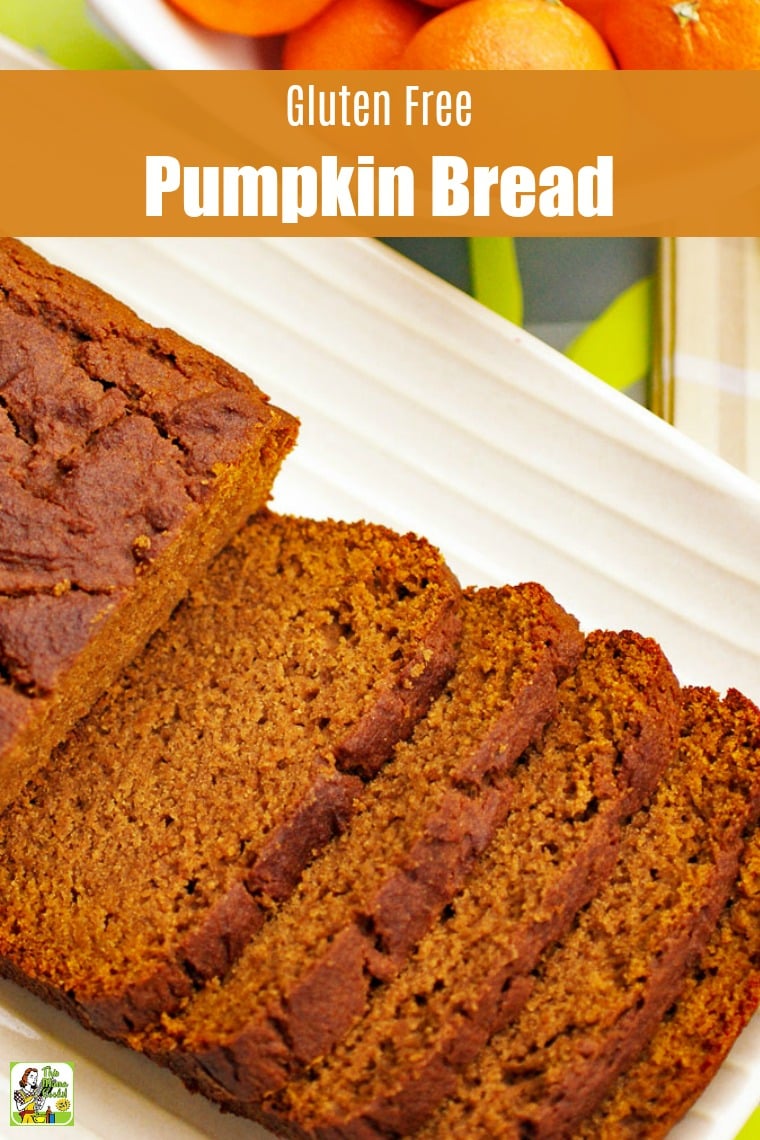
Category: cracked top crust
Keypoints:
(111, 433)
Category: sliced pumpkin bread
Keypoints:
(424, 821)
(721, 993)
(614, 732)
(186, 804)
(600, 994)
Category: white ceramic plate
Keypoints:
(163, 38)
(423, 410)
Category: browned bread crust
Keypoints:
(360, 909)
(186, 804)
(600, 994)
(128, 457)
(614, 732)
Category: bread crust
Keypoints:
(128, 457)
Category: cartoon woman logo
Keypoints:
(29, 1096)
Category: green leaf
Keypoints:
(496, 276)
(617, 346)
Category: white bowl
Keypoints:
(160, 36)
(14, 57)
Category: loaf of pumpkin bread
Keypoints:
(185, 805)
(128, 457)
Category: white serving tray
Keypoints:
(422, 410)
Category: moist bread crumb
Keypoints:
(601, 992)
(423, 822)
(128, 457)
(185, 805)
(615, 730)
(720, 995)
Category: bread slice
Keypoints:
(187, 803)
(128, 457)
(615, 730)
(424, 821)
(600, 994)
(721, 993)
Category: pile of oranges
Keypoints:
(501, 35)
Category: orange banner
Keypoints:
(391, 153)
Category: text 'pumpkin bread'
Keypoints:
(128, 457)
(189, 800)
(423, 822)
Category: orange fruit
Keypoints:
(441, 3)
(250, 17)
(355, 34)
(706, 35)
(591, 10)
(508, 35)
